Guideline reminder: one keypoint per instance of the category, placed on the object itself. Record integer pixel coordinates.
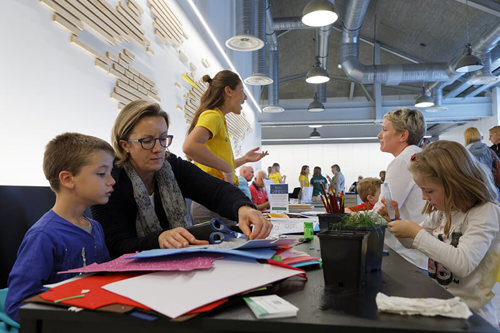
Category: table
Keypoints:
(320, 310)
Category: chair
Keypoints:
(294, 194)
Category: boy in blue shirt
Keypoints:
(78, 168)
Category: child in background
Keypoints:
(78, 168)
(275, 174)
(369, 191)
(460, 234)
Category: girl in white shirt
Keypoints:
(460, 235)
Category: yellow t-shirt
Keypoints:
(275, 177)
(304, 178)
(219, 144)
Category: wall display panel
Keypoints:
(112, 58)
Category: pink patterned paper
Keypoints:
(180, 262)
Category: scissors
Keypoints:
(221, 232)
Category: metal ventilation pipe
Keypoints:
(323, 41)
(384, 74)
(273, 61)
(259, 75)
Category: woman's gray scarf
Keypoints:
(146, 221)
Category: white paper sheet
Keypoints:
(293, 225)
(175, 293)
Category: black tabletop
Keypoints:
(321, 310)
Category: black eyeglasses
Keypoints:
(148, 143)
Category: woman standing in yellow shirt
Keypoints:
(207, 143)
(303, 178)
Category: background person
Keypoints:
(259, 196)
(479, 150)
(369, 193)
(495, 139)
(402, 130)
(275, 175)
(316, 181)
(353, 188)
(246, 175)
(461, 231)
(208, 143)
(337, 182)
(381, 175)
(147, 208)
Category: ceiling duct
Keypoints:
(245, 38)
(272, 51)
(259, 76)
(438, 100)
(384, 74)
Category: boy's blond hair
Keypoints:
(368, 186)
(69, 152)
(450, 165)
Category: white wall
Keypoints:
(354, 159)
(49, 86)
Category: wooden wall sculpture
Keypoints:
(122, 24)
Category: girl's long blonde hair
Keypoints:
(465, 182)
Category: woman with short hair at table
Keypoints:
(208, 143)
(147, 209)
(402, 130)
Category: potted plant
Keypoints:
(351, 246)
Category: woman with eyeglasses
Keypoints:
(208, 143)
(147, 208)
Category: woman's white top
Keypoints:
(409, 197)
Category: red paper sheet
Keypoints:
(96, 297)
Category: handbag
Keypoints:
(496, 168)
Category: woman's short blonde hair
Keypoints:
(471, 134)
(129, 116)
(408, 119)
(466, 183)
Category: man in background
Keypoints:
(337, 182)
(246, 175)
(495, 139)
(259, 196)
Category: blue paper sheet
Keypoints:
(260, 253)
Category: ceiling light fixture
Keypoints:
(424, 100)
(318, 13)
(315, 126)
(244, 43)
(317, 74)
(273, 109)
(258, 79)
(315, 134)
(469, 62)
(316, 105)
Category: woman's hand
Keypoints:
(248, 216)
(382, 211)
(178, 238)
(404, 228)
(254, 156)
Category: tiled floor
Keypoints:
(496, 299)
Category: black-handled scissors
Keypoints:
(221, 232)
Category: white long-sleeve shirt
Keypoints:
(474, 262)
(409, 197)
